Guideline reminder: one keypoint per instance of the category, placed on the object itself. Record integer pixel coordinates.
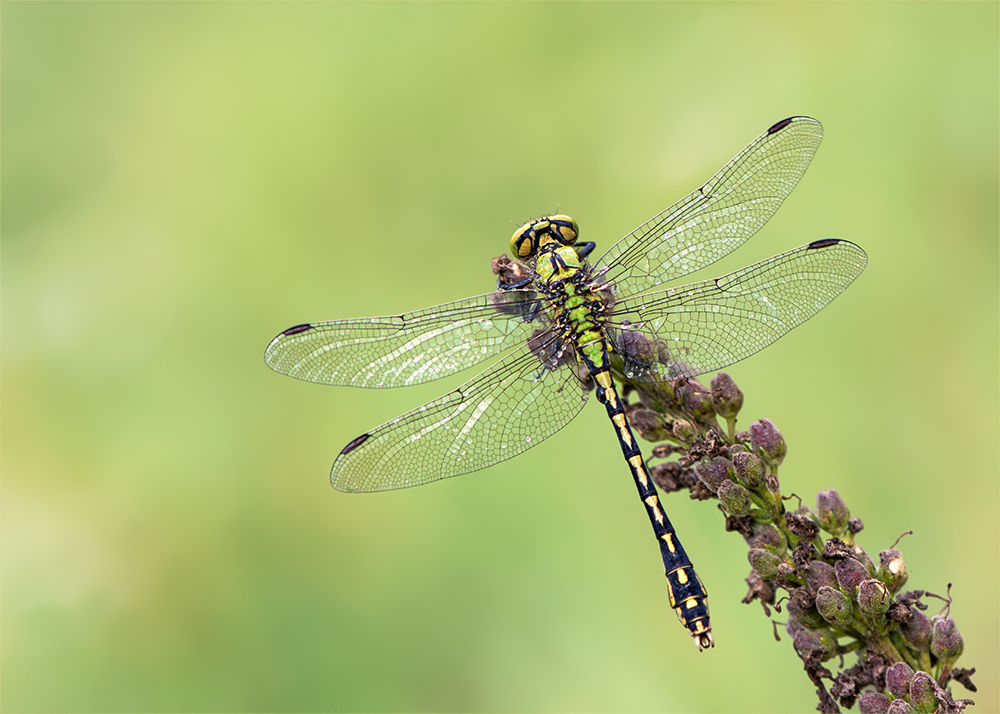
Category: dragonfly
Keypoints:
(552, 333)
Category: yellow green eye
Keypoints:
(564, 228)
(522, 243)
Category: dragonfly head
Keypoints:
(532, 236)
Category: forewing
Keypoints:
(720, 216)
(499, 414)
(702, 327)
(399, 350)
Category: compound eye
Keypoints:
(565, 229)
(522, 243)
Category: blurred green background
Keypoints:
(182, 181)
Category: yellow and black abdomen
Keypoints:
(577, 310)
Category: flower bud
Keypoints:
(802, 606)
(873, 703)
(800, 523)
(734, 498)
(683, 430)
(650, 425)
(833, 513)
(767, 442)
(713, 473)
(667, 476)
(946, 641)
(873, 597)
(727, 399)
(793, 627)
(636, 348)
(697, 402)
(892, 569)
(898, 678)
(922, 695)
(748, 469)
(866, 560)
(764, 562)
(917, 632)
(850, 573)
(819, 574)
(899, 706)
(834, 606)
(819, 642)
(767, 535)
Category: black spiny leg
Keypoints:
(584, 249)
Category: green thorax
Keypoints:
(563, 277)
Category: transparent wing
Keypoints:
(499, 414)
(702, 327)
(400, 350)
(720, 216)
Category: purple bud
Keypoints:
(892, 569)
(833, 513)
(873, 598)
(698, 403)
(767, 442)
(713, 473)
(764, 562)
(819, 642)
(946, 640)
(834, 606)
(922, 693)
(734, 498)
(861, 555)
(683, 430)
(819, 574)
(802, 607)
(748, 469)
(650, 425)
(793, 627)
(897, 679)
(637, 347)
(873, 703)
(850, 573)
(766, 535)
(727, 399)
(900, 706)
(917, 632)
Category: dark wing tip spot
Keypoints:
(775, 128)
(297, 329)
(355, 443)
(824, 243)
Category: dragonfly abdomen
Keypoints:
(578, 311)
(688, 596)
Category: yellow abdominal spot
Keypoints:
(636, 463)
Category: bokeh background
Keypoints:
(182, 181)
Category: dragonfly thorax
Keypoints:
(530, 238)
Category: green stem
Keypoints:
(885, 647)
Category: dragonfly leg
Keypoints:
(584, 249)
(523, 283)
